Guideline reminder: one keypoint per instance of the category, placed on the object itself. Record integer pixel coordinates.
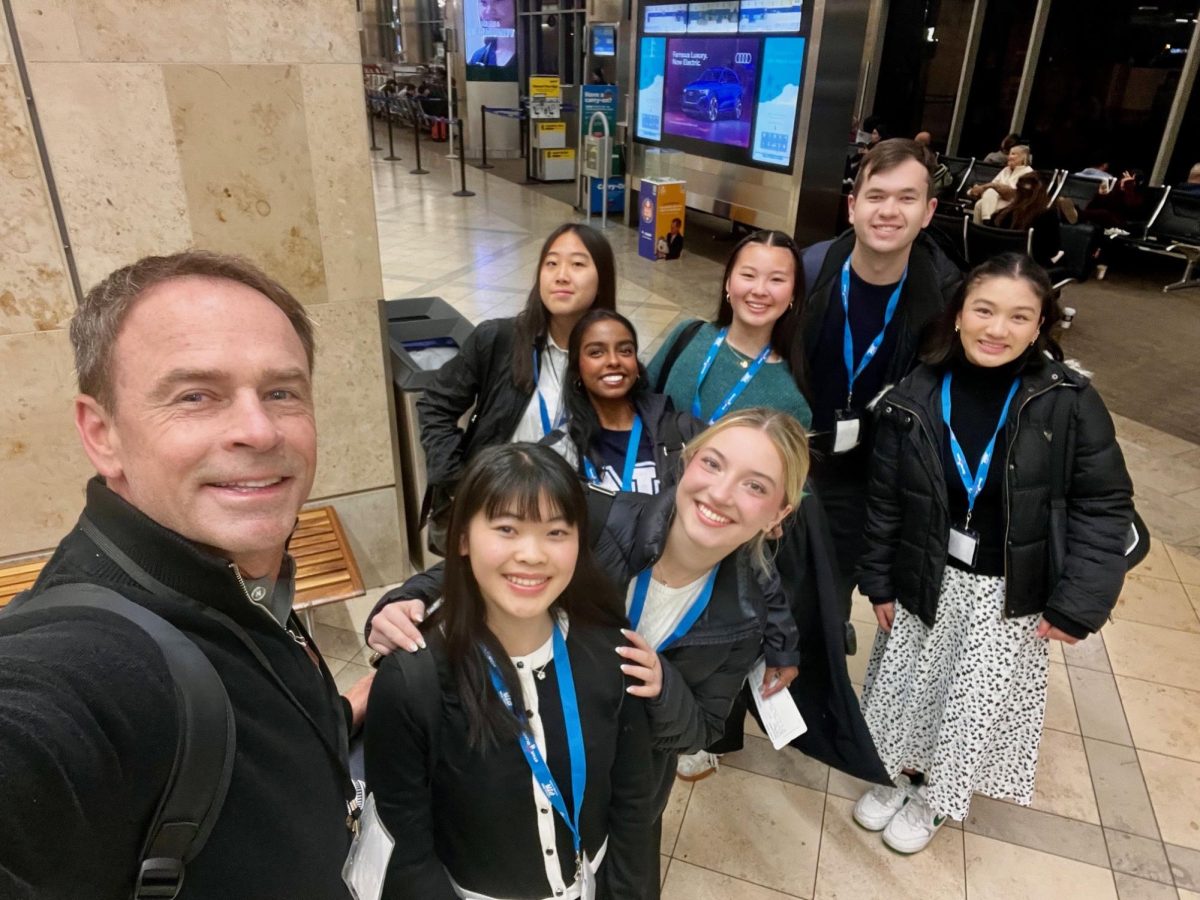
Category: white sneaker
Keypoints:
(911, 829)
(877, 806)
(695, 766)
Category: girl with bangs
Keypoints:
(507, 758)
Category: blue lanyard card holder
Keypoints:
(847, 430)
(964, 545)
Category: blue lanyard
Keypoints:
(631, 452)
(638, 606)
(973, 482)
(736, 391)
(547, 427)
(575, 746)
(852, 372)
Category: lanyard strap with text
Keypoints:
(638, 606)
(973, 482)
(734, 392)
(547, 427)
(852, 372)
(575, 746)
(631, 452)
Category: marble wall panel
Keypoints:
(47, 30)
(246, 169)
(42, 464)
(35, 289)
(336, 125)
(295, 31)
(373, 527)
(108, 136)
(5, 52)
(352, 397)
(150, 31)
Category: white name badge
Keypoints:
(846, 432)
(964, 545)
(367, 863)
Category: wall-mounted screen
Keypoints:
(730, 88)
(665, 18)
(710, 89)
(770, 15)
(652, 60)
(716, 17)
(778, 100)
(490, 39)
(604, 40)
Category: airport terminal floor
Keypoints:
(1117, 806)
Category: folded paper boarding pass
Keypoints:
(780, 717)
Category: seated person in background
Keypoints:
(998, 193)
(1030, 208)
(1000, 157)
(1192, 185)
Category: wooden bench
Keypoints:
(325, 568)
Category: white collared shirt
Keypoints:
(553, 366)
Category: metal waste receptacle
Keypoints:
(423, 334)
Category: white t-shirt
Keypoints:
(553, 364)
(665, 607)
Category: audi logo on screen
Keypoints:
(742, 59)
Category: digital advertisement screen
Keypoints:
(668, 18)
(490, 39)
(652, 60)
(720, 17)
(710, 87)
(604, 40)
(778, 100)
(771, 15)
(730, 88)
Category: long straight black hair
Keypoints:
(944, 345)
(514, 479)
(582, 421)
(533, 321)
(785, 333)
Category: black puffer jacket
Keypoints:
(908, 525)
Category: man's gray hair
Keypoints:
(98, 320)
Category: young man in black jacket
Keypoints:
(196, 410)
(871, 292)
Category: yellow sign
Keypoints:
(545, 86)
(569, 153)
(552, 127)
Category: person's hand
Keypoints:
(357, 698)
(1050, 633)
(643, 664)
(395, 627)
(885, 614)
(1126, 178)
(777, 678)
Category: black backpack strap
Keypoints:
(681, 340)
(204, 750)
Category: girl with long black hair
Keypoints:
(507, 758)
(999, 507)
(619, 434)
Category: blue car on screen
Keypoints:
(718, 90)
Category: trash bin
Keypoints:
(423, 334)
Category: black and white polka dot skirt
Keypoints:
(964, 701)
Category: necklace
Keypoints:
(540, 671)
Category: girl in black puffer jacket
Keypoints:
(979, 553)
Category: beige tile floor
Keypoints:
(1117, 807)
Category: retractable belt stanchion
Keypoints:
(371, 125)
(462, 164)
(483, 111)
(414, 109)
(391, 157)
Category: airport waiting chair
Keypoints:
(1079, 190)
(1175, 231)
(949, 230)
(985, 241)
(980, 173)
(960, 167)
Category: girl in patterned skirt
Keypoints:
(998, 517)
